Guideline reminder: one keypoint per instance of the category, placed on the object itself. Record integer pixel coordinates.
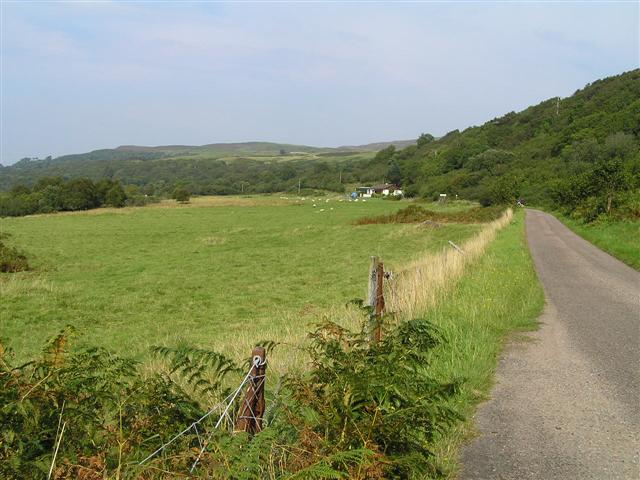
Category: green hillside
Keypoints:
(560, 152)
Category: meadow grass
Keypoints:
(420, 285)
(620, 239)
(218, 273)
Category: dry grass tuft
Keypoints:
(420, 285)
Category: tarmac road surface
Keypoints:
(566, 404)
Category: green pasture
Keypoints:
(221, 277)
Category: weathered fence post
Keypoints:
(253, 405)
(376, 299)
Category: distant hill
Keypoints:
(124, 162)
(212, 168)
(217, 149)
(374, 147)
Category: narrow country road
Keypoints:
(566, 404)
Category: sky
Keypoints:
(81, 76)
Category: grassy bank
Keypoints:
(499, 294)
(620, 239)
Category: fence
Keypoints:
(249, 415)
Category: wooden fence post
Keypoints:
(253, 405)
(379, 306)
(375, 299)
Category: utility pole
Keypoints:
(557, 106)
(299, 185)
(340, 175)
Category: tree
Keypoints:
(394, 175)
(610, 178)
(424, 139)
(504, 190)
(115, 197)
(80, 194)
(620, 144)
(182, 194)
(51, 198)
(385, 154)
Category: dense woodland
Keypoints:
(580, 154)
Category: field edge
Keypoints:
(498, 297)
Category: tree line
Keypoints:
(54, 194)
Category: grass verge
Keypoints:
(620, 239)
(499, 294)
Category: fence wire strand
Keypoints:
(227, 403)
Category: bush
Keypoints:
(362, 411)
(181, 194)
(12, 260)
(417, 214)
(115, 196)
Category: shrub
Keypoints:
(115, 196)
(418, 214)
(182, 194)
(379, 397)
(11, 259)
(362, 411)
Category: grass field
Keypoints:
(620, 239)
(221, 273)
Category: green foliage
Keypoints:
(362, 411)
(208, 170)
(53, 194)
(107, 409)
(11, 259)
(501, 191)
(424, 139)
(417, 214)
(571, 158)
(115, 197)
(394, 175)
(182, 194)
(204, 371)
(378, 397)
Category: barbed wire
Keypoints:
(227, 403)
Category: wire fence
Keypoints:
(249, 417)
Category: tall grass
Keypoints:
(420, 284)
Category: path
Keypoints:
(566, 405)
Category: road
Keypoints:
(566, 404)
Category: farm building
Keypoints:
(365, 192)
(387, 189)
(383, 189)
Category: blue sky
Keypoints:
(82, 76)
